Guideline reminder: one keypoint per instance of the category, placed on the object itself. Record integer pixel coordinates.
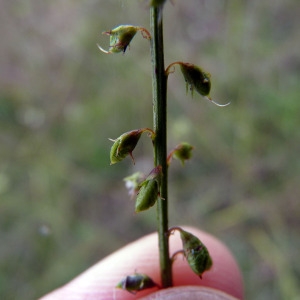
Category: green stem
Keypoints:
(159, 88)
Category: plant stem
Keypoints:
(159, 88)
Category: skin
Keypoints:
(222, 281)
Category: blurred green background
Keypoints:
(63, 207)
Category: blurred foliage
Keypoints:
(61, 99)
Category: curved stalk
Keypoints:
(159, 83)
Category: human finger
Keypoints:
(141, 256)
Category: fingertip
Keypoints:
(141, 256)
(189, 292)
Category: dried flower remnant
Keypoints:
(121, 36)
(133, 182)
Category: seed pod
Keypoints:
(181, 152)
(195, 252)
(121, 36)
(196, 79)
(147, 195)
(136, 282)
(124, 145)
(149, 191)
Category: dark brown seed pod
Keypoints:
(196, 78)
(135, 283)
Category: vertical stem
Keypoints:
(159, 83)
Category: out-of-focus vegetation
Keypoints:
(63, 207)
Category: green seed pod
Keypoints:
(147, 195)
(196, 78)
(183, 152)
(196, 253)
(136, 282)
(121, 36)
(124, 145)
(149, 191)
